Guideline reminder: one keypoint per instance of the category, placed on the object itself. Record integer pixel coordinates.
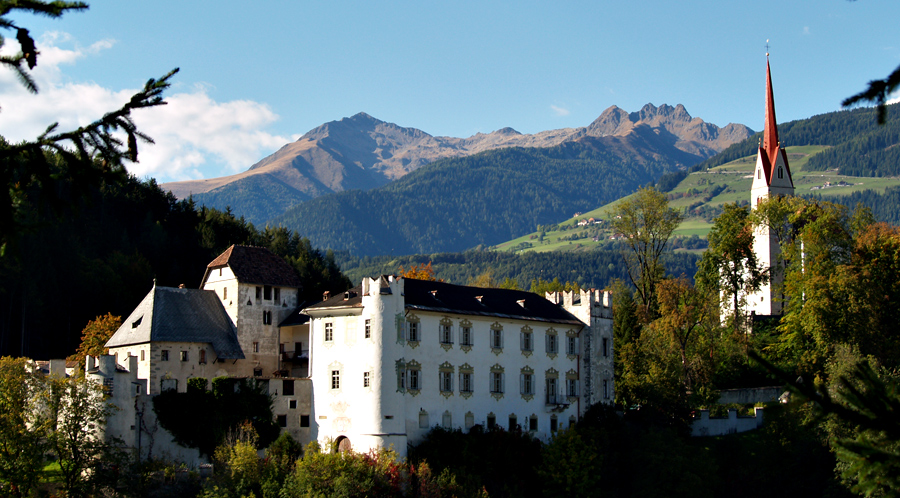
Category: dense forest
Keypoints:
(861, 147)
(590, 269)
(457, 204)
(104, 256)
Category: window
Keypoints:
(605, 389)
(282, 421)
(554, 424)
(366, 379)
(470, 420)
(527, 384)
(759, 173)
(256, 347)
(571, 345)
(447, 420)
(164, 355)
(496, 338)
(527, 341)
(220, 272)
(572, 387)
(491, 421)
(465, 382)
(329, 331)
(552, 392)
(184, 356)
(413, 332)
(335, 379)
(446, 381)
(497, 382)
(423, 419)
(258, 293)
(552, 344)
(281, 348)
(414, 379)
(513, 423)
(267, 318)
(292, 404)
(202, 356)
(533, 423)
(142, 355)
(446, 334)
(277, 291)
(368, 328)
(465, 336)
(780, 172)
(304, 420)
(287, 387)
(225, 293)
(605, 347)
(257, 372)
(267, 292)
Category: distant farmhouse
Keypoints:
(378, 365)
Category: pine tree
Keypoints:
(57, 169)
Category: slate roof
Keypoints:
(168, 314)
(256, 265)
(442, 297)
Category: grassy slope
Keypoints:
(738, 175)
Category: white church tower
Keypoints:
(772, 177)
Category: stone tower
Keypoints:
(772, 177)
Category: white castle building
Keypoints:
(378, 365)
(772, 177)
(395, 357)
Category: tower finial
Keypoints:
(767, 47)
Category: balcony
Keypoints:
(295, 356)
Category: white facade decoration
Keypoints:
(423, 367)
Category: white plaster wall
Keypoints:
(765, 245)
(218, 281)
(384, 414)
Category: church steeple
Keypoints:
(770, 135)
(772, 177)
(773, 160)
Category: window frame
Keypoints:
(329, 332)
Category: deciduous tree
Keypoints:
(95, 335)
(646, 223)
(729, 268)
(24, 426)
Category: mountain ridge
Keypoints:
(363, 152)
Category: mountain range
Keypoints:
(362, 153)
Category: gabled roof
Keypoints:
(256, 265)
(168, 314)
(427, 295)
(771, 145)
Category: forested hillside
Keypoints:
(860, 146)
(590, 269)
(456, 204)
(105, 256)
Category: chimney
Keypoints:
(325, 295)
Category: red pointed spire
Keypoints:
(770, 135)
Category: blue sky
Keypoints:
(255, 77)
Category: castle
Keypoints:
(378, 365)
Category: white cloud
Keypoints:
(559, 111)
(805, 30)
(894, 98)
(192, 131)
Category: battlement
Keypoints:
(591, 297)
